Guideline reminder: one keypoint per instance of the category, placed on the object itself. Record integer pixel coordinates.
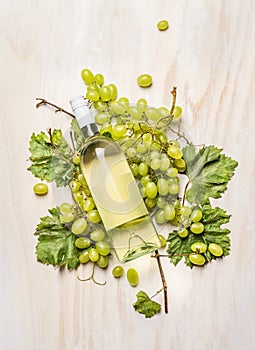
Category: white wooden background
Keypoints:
(208, 53)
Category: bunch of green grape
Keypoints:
(91, 238)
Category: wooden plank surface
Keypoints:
(208, 53)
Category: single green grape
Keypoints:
(145, 179)
(97, 235)
(197, 259)
(143, 169)
(92, 87)
(40, 189)
(215, 249)
(78, 197)
(132, 277)
(196, 215)
(76, 158)
(162, 25)
(155, 163)
(99, 79)
(164, 164)
(185, 211)
(84, 257)
(162, 186)
(160, 216)
(169, 212)
(144, 80)
(174, 152)
(87, 76)
(102, 248)
(134, 113)
(105, 93)
(162, 241)
(93, 255)
(92, 96)
(100, 106)
(124, 101)
(173, 188)
(164, 112)
(143, 192)
(117, 107)
(180, 164)
(150, 202)
(74, 185)
(88, 204)
(81, 180)
(67, 217)
(103, 261)
(151, 189)
(113, 90)
(177, 112)
(82, 242)
(199, 247)
(183, 232)
(131, 152)
(197, 228)
(102, 118)
(161, 202)
(93, 216)
(118, 131)
(175, 143)
(65, 208)
(117, 271)
(79, 226)
(152, 113)
(141, 147)
(142, 104)
(134, 168)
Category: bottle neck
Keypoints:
(89, 130)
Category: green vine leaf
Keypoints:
(209, 172)
(51, 162)
(56, 242)
(213, 219)
(144, 305)
(78, 136)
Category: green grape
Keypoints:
(150, 202)
(100, 106)
(155, 146)
(132, 277)
(102, 248)
(177, 112)
(141, 147)
(152, 113)
(142, 104)
(199, 247)
(92, 96)
(93, 216)
(147, 137)
(117, 107)
(76, 159)
(84, 257)
(173, 180)
(118, 131)
(173, 188)
(93, 255)
(88, 204)
(113, 90)
(215, 249)
(65, 208)
(66, 218)
(162, 187)
(164, 112)
(117, 271)
(78, 197)
(154, 154)
(103, 261)
(40, 189)
(102, 118)
(174, 152)
(131, 152)
(160, 216)
(92, 87)
(162, 241)
(186, 222)
(144, 80)
(197, 259)
(106, 128)
(81, 180)
(134, 168)
(97, 235)
(99, 79)
(74, 185)
(174, 143)
(155, 163)
(143, 192)
(82, 242)
(134, 113)
(196, 215)
(197, 228)
(145, 179)
(143, 169)
(180, 164)
(169, 212)
(124, 101)
(87, 76)
(185, 211)
(183, 232)
(79, 226)
(161, 202)
(162, 25)
(151, 189)
(105, 94)
(164, 164)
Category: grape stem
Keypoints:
(44, 102)
(173, 92)
(157, 256)
(184, 193)
(55, 147)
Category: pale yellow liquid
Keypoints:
(118, 199)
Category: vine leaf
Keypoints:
(78, 136)
(56, 242)
(144, 305)
(213, 219)
(209, 172)
(51, 162)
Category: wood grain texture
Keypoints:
(208, 52)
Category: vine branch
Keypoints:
(44, 102)
(157, 256)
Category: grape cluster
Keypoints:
(91, 240)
